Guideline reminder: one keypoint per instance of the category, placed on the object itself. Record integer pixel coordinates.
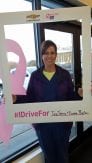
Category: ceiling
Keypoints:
(80, 2)
(75, 2)
(87, 2)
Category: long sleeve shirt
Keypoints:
(40, 89)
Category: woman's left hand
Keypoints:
(80, 92)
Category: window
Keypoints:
(64, 48)
(23, 34)
(15, 5)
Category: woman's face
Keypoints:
(49, 57)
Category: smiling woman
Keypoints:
(47, 84)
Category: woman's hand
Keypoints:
(80, 92)
(14, 98)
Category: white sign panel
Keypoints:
(80, 110)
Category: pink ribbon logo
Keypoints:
(17, 80)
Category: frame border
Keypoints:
(49, 111)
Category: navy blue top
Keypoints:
(40, 89)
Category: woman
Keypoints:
(51, 83)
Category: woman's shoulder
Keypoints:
(36, 73)
(61, 70)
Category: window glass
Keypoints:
(47, 4)
(15, 5)
(44, 8)
(64, 44)
(23, 34)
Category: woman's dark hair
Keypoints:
(46, 44)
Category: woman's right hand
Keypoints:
(80, 92)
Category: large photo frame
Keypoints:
(49, 111)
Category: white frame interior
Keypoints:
(57, 111)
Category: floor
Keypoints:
(82, 154)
